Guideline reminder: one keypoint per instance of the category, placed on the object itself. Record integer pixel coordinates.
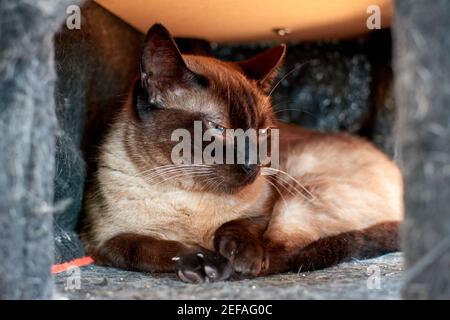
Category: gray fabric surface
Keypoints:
(422, 51)
(379, 278)
(27, 125)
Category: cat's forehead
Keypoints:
(231, 94)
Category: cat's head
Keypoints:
(175, 91)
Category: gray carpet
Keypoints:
(27, 145)
(351, 280)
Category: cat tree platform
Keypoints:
(379, 278)
(54, 100)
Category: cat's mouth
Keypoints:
(251, 173)
(233, 178)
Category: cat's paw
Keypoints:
(202, 266)
(246, 253)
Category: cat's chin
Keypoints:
(230, 188)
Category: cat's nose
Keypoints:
(248, 168)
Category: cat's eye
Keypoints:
(215, 126)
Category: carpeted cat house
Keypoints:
(66, 67)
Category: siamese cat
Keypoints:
(334, 197)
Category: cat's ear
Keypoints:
(264, 67)
(162, 65)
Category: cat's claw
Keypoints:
(247, 255)
(205, 266)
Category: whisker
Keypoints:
(172, 172)
(169, 170)
(295, 109)
(328, 203)
(155, 168)
(183, 174)
(287, 75)
(209, 183)
(292, 179)
(171, 166)
(160, 170)
(276, 188)
(220, 183)
(289, 187)
(286, 175)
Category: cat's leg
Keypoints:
(373, 241)
(143, 253)
(289, 229)
(303, 236)
(325, 252)
(241, 242)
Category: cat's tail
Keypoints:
(374, 241)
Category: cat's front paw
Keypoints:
(245, 252)
(202, 266)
